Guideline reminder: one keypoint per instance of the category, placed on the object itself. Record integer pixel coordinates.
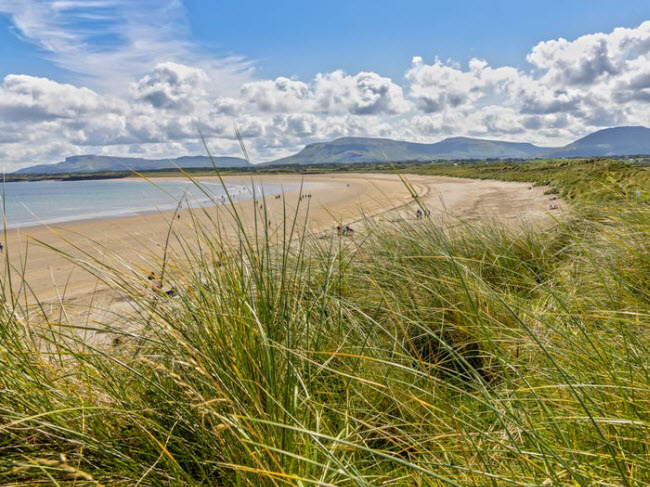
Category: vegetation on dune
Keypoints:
(582, 180)
(417, 353)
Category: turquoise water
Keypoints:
(48, 202)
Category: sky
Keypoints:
(146, 77)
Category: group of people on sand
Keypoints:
(419, 214)
(345, 230)
(305, 196)
(158, 287)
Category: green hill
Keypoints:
(617, 141)
(91, 163)
(366, 149)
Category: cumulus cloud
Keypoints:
(590, 59)
(594, 81)
(279, 95)
(362, 94)
(439, 86)
(28, 98)
(172, 86)
(331, 93)
(572, 87)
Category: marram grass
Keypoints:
(414, 354)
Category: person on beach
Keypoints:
(2, 247)
(156, 286)
(345, 230)
(418, 214)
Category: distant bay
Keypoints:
(48, 202)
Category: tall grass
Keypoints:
(415, 354)
(595, 181)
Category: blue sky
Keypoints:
(129, 77)
(303, 38)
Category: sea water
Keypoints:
(47, 202)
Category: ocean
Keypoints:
(47, 202)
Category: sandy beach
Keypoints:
(138, 242)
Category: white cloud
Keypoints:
(329, 93)
(592, 82)
(279, 95)
(441, 86)
(591, 59)
(158, 109)
(30, 98)
(172, 86)
(362, 94)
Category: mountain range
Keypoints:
(363, 149)
(90, 163)
(617, 141)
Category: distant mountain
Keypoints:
(364, 149)
(90, 163)
(618, 141)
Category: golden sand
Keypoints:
(140, 241)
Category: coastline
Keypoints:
(139, 241)
(118, 214)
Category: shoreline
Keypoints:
(143, 212)
(116, 219)
(138, 240)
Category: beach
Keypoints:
(138, 243)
